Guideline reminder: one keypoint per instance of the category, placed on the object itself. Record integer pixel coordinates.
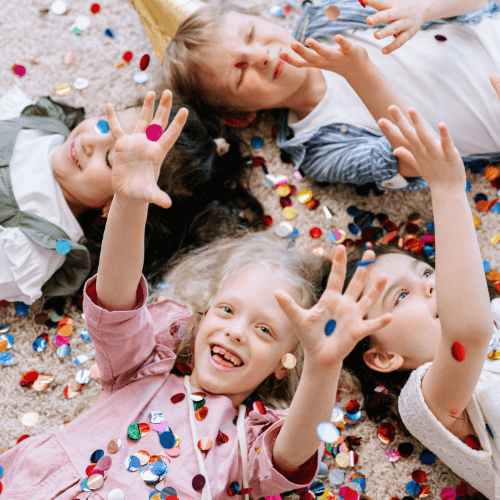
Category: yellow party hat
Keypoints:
(161, 18)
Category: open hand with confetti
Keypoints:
(404, 18)
(331, 328)
(139, 156)
(347, 59)
(437, 159)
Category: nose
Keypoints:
(260, 57)
(236, 331)
(90, 142)
(429, 286)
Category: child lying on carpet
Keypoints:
(55, 178)
(331, 96)
(450, 401)
(243, 346)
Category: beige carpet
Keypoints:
(39, 41)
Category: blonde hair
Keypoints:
(196, 279)
(182, 61)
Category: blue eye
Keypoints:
(401, 295)
(428, 272)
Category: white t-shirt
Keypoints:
(480, 468)
(445, 81)
(26, 267)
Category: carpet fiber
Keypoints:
(39, 41)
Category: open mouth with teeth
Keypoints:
(224, 357)
(72, 154)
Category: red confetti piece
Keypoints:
(221, 438)
(245, 491)
(312, 204)
(4, 303)
(90, 468)
(267, 219)
(426, 490)
(352, 406)
(315, 232)
(258, 161)
(19, 70)
(448, 494)
(458, 351)
(462, 489)
(177, 398)
(287, 10)
(201, 413)
(154, 132)
(95, 8)
(493, 203)
(472, 442)
(144, 62)
(127, 57)
(362, 3)
(419, 475)
(259, 407)
(23, 437)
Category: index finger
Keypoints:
(337, 273)
(114, 125)
(358, 281)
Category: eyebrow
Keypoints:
(414, 265)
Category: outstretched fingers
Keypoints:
(358, 281)
(426, 134)
(307, 57)
(146, 113)
(163, 112)
(404, 125)
(446, 141)
(293, 311)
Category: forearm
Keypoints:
(463, 304)
(122, 255)
(438, 9)
(312, 404)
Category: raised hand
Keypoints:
(404, 18)
(347, 310)
(437, 159)
(138, 160)
(347, 59)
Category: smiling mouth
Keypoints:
(279, 69)
(225, 357)
(70, 150)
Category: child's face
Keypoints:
(245, 319)
(264, 81)
(82, 165)
(410, 295)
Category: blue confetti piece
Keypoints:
(365, 263)
(352, 210)
(21, 308)
(167, 439)
(495, 208)
(5, 328)
(63, 350)
(428, 252)
(1, 472)
(427, 457)
(361, 482)
(488, 428)
(63, 246)
(430, 226)
(6, 358)
(413, 488)
(330, 326)
(353, 228)
(257, 142)
(293, 234)
(486, 266)
(97, 455)
(111, 32)
(85, 336)
(39, 344)
(317, 488)
(159, 467)
(265, 170)
(102, 127)
(480, 197)
(132, 463)
(467, 186)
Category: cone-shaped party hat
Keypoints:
(161, 18)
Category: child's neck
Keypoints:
(309, 94)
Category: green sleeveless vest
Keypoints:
(49, 117)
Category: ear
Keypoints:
(381, 361)
(106, 207)
(281, 372)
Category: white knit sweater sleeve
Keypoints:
(476, 467)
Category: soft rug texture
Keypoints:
(39, 41)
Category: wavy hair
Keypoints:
(196, 279)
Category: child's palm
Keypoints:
(345, 310)
(138, 159)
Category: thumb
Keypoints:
(161, 199)
(404, 155)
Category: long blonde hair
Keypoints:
(196, 279)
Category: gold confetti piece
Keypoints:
(287, 224)
(289, 213)
(495, 240)
(63, 89)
